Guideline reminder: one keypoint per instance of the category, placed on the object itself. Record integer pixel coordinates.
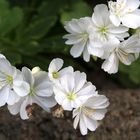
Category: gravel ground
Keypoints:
(122, 122)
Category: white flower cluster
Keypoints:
(69, 88)
(106, 34)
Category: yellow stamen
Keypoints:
(71, 96)
(55, 75)
(9, 79)
(88, 111)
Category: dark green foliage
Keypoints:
(131, 74)
(31, 31)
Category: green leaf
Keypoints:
(37, 60)
(29, 48)
(14, 57)
(40, 27)
(3, 5)
(79, 9)
(55, 44)
(133, 71)
(9, 18)
(43, 21)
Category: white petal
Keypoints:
(99, 114)
(60, 99)
(67, 82)
(42, 85)
(95, 47)
(21, 88)
(45, 89)
(13, 98)
(126, 59)
(77, 49)
(2, 56)
(23, 112)
(122, 36)
(75, 112)
(4, 94)
(73, 26)
(103, 105)
(96, 51)
(55, 65)
(115, 20)
(118, 30)
(76, 121)
(72, 39)
(15, 109)
(101, 15)
(109, 47)
(110, 65)
(96, 101)
(67, 105)
(86, 55)
(80, 79)
(90, 123)
(132, 4)
(66, 70)
(28, 77)
(45, 103)
(84, 23)
(83, 127)
(131, 45)
(40, 77)
(128, 22)
(87, 90)
(5, 66)
(59, 95)
(76, 103)
(44, 92)
(17, 75)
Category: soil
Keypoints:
(122, 122)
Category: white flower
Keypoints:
(126, 52)
(89, 113)
(125, 12)
(40, 93)
(54, 70)
(12, 86)
(78, 37)
(2, 56)
(103, 31)
(73, 90)
(103, 28)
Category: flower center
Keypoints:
(32, 91)
(119, 8)
(88, 111)
(71, 96)
(55, 75)
(84, 36)
(103, 30)
(9, 80)
(122, 54)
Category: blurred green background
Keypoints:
(31, 35)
